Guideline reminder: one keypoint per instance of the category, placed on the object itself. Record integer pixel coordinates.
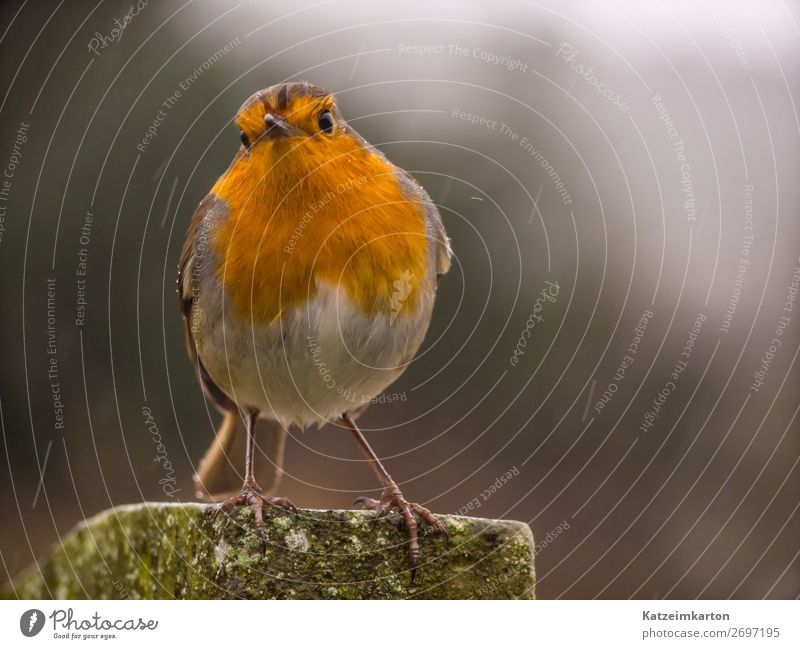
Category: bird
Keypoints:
(306, 284)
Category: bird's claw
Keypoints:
(392, 498)
(253, 497)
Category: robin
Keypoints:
(306, 283)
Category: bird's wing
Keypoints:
(196, 239)
(439, 241)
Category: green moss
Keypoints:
(282, 523)
(170, 551)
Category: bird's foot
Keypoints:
(392, 499)
(253, 496)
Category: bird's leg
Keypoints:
(252, 494)
(392, 498)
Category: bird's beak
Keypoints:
(277, 126)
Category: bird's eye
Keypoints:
(245, 140)
(325, 122)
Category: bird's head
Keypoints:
(292, 114)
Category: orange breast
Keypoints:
(300, 216)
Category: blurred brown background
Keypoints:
(703, 503)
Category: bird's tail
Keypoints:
(221, 471)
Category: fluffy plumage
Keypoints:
(309, 272)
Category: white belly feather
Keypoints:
(318, 361)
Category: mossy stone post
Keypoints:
(164, 551)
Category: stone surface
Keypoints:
(165, 551)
